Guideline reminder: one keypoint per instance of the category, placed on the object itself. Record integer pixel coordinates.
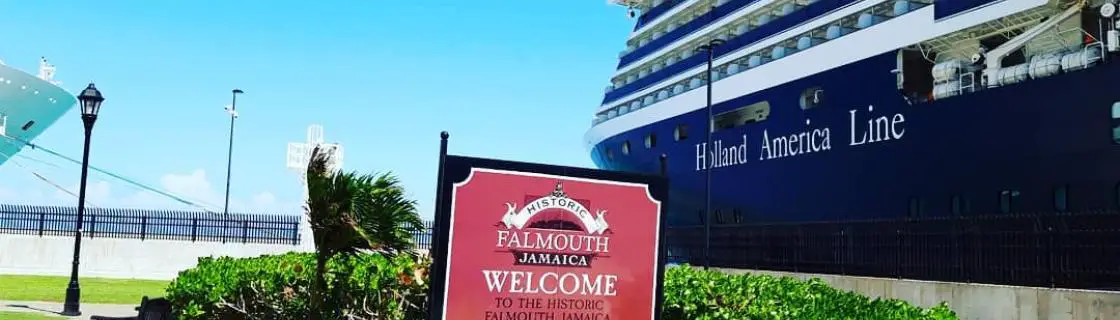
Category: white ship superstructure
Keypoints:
(29, 104)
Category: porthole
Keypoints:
(1061, 199)
(1116, 122)
(956, 205)
(1006, 197)
(626, 147)
(681, 132)
(1117, 192)
(915, 207)
(651, 141)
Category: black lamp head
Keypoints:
(91, 99)
(711, 45)
(238, 91)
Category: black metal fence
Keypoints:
(1068, 250)
(164, 225)
(151, 224)
(423, 237)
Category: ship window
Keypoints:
(610, 154)
(28, 125)
(915, 207)
(1061, 201)
(1116, 122)
(1005, 200)
(681, 132)
(1117, 191)
(626, 147)
(756, 112)
(811, 98)
(956, 205)
(651, 141)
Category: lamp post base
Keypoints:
(70, 307)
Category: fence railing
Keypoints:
(164, 225)
(1068, 250)
(423, 238)
(151, 224)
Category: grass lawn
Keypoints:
(94, 290)
(26, 316)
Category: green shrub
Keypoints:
(692, 294)
(369, 286)
(372, 286)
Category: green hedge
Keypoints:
(693, 294)
(371, 286)
(367, 286)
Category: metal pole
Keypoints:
(710, 47)
(436, 248)
(229, 160)
(73, 291)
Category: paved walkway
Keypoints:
(53, 308)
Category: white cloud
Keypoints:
(8, 196)
(98, 193)
(263, 199)
(21, 196)
(194, 187)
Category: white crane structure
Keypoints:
(299, 156)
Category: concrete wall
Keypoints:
(118, 258)
(979, 301)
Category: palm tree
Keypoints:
(349, 213)
(329, 196)
(391, 219)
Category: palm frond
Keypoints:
(390, 218)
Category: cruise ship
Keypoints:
(840, 110)
(29, 104)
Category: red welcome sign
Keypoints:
(529, 245)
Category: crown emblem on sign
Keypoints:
(559, 192)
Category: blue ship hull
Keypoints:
(1044, 145)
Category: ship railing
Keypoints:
(966, 79)
(1096, 45)
(961, 86)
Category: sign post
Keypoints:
(518, 240)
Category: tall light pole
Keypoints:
(232, 110)
(90, 99)
(710, 48)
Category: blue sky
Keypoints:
(511, 80)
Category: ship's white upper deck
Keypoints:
(29, 104)
(692, 25)
(672, 11)
(857, 31)
(827, 26)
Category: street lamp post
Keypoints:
(710, 48)
(90, 99)
(229, 158)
